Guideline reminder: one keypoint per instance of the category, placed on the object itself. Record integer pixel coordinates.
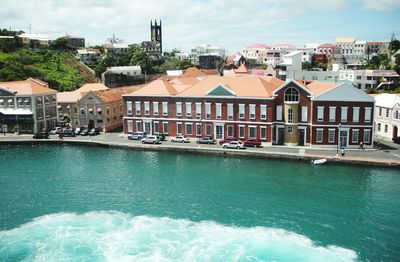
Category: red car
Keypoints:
(227, 139)
(252, 142)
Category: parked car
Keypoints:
(206, 140)
(94, 132)
(234, 144)
(252, 142)
(180, 139)
(150, 140)
(137, 136)
(78, 130)
(69, 132)
(227, 140)
(41, 135)
(84, 132)
(160, 136)
(55, 130)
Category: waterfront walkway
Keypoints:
(385, 154)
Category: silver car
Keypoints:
(234, 145)
(180, 139)
(150, 140)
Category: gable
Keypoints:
(6, 92)
(220, 90)
(291, 83)
(344, 92)
(90, 98)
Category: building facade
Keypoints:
(27, 106)
(387, 111)
(266, 108)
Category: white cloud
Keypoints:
(381, 5)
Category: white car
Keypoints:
(180, 139)
(150, 140)
(55, 130)
(234, 144)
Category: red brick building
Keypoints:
(276, 112)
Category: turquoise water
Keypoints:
(66, 203)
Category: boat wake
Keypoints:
(116, 236)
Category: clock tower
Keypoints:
(156, 35)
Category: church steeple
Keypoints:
(156, 33)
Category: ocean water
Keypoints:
(71, 203)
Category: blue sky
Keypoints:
(232, 24)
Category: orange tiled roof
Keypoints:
(27, 87)
(193, 72)
(92, 87)
(318, 88)
(241, 70)
(115, 94)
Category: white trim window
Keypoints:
(263, 132)
(165, 128)
(208, 129)
(241, 131)
(354, 136)
(304, 113)
(252, 131)
(263, 112)
(208, 110)
(331, 135)
(179, 109)
(367, 115)
(139, 126)
(189, 128)
(179, 128)
(155, 108)
(198, 110)
(165, 108)
(241, 111)
(290, 115)
(198, 129)
(367, 136)
(278, 113)
(356, 114)
(230, 111)
(319, 138)
(138, 108)
(129, 108)
(320, 113)
(229, 130)
(156, 127)
(252, 111)
(188, 109)
(218, 110)
(129, 125)
(332, 113)
(147, 108)
(343, 116)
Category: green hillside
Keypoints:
(59, 69)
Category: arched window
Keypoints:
(291, 95)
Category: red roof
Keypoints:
(327, 45)
(262, 46)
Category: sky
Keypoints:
(231, 24)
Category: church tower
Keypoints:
(156, 33)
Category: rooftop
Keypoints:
(27, 87)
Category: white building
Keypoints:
(205, 50)
(387, 112)
(89, 55)
(290, 65)
(256, 52)
(117, 49)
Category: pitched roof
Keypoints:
(345, 40)
(327, 45)
(92, 87)
(258, 46)
(345, 92)
(241, 70)
(193, 72)
(318, 88)
(27, 87)
(387, 100)
(115, 94)
(69, 97)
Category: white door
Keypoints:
(343, 138)
(219, 131)
(147, 127)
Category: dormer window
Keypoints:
(291, 95)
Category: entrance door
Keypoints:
(91, 124)
(219, 131)
(394, 133)
(147, 127)
(343, 135)
(301, 137)
(281, 136)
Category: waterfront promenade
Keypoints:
(386, 154)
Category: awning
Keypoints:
(19, 100)
(9, 100)
(99, 109)
(12, 111)
(58, 106)
(68, 107)
(90, 109)
(1, 100)
(26, 100)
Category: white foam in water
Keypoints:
(115, 236)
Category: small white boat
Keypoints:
(319, 161)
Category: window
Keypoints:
(198, 110)
(179, 128)
(138, 109)
(241, 131)
(263, 132)
(178, 109)
(331, 135)
(82, 110)
(395, 115)
(304, 113)
(252, 131)
(165, 128)
(252, 111)
(130, 126)
(147, 108)
(263, 112)
(165, 108)
(155, 108)
(291, 95)
(208, 130)
(379, 126)
(75, 110)
(188, 109)
(189, 127)
(129, 108)
(343, 117)
(387, 112)
(208, 110)
(320, 114)
(99, 111)
(380, 111)
(366, 136)
(386, 128)
(156, 127)
(367, 115)
(356, 114)
(218, 111)
(230, 130)
(320, 135)
(139, 126)
(230, 111)
(198, 129)
(278, 113)
(290, 115)
(354, 136)
(241, 111)
(290, 129)
(332, 113)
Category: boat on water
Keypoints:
(319, 161)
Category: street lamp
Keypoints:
(338, 140)
(199, 133)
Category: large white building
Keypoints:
(387, 112)
(205, 50)
(256, 52)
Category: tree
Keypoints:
(140, 58)
(394, 45)
(306, 65)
